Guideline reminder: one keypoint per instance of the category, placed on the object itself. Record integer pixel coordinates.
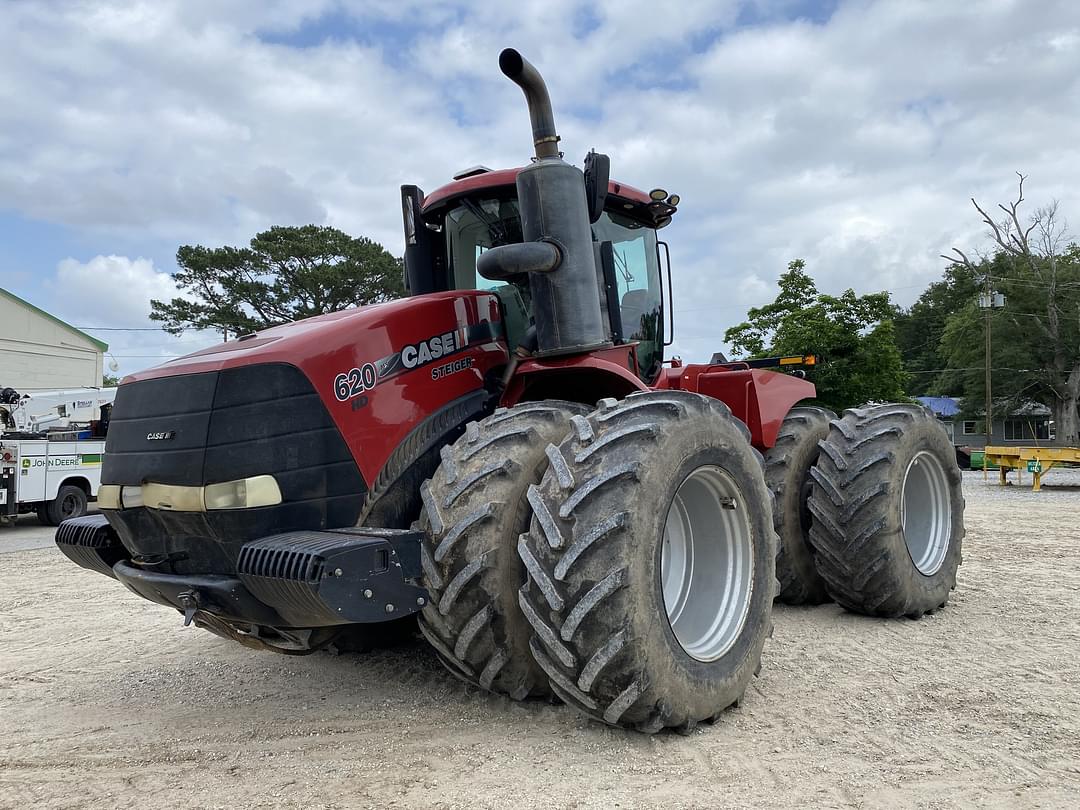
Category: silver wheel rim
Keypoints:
(925, 514)
(707, 563)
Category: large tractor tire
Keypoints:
(888, 511)
(651, 561)
(474, 510)
(787, 472)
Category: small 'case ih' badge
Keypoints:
(160, 436)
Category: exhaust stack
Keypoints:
(522, 73)
(558, 252)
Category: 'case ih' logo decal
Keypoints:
(160, 435)
(434, 348)
(353, 384)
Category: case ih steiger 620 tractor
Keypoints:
(506, 454)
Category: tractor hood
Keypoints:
(302, 418)
(376, 369)
(326, 338)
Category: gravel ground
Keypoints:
(27, 533)
(106, 702)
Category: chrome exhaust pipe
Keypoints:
(521, 72)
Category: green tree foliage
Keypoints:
(919, 332)
(286, 274)
(962, 348)
(852, 334)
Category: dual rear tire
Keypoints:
(475, 507)
(868, 508)
(787, 472)
(651, 562)
(625, 559)
(888, 511)
(70, 502)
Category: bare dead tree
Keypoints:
(1036, 249)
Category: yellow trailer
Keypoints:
(1036, 460)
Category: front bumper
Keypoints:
(298, 579)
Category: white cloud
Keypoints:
(114, 292)
(854, 144)
(109, 290)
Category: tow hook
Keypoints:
(190, 601)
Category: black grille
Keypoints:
(283, 563)
(89, 531)
(263, 419)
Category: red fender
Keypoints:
(759, 398)
(586, 378)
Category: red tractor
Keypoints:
(506, 454)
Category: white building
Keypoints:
(39, 352)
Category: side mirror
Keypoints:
(597, 174)
(419, 245)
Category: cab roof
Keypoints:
(634, 201)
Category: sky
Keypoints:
(849, 134)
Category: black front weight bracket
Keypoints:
(360, 575)
(223, 596)
(296, 579)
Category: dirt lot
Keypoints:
(106, 702)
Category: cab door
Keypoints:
(33, 470)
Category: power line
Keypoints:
(1033, 282)
(973, 368)
(713, 308)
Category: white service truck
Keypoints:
(56, 479)
(48, 410)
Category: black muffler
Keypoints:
(558, 251)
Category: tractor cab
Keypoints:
(448, 230)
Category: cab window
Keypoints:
(473, 227)
(476, 226)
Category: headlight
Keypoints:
(245, 493)
(171, 497)
(108, 496)
(260, 490)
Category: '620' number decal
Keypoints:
(355, 382)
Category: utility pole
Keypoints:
(989, 301)
(989, 399)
